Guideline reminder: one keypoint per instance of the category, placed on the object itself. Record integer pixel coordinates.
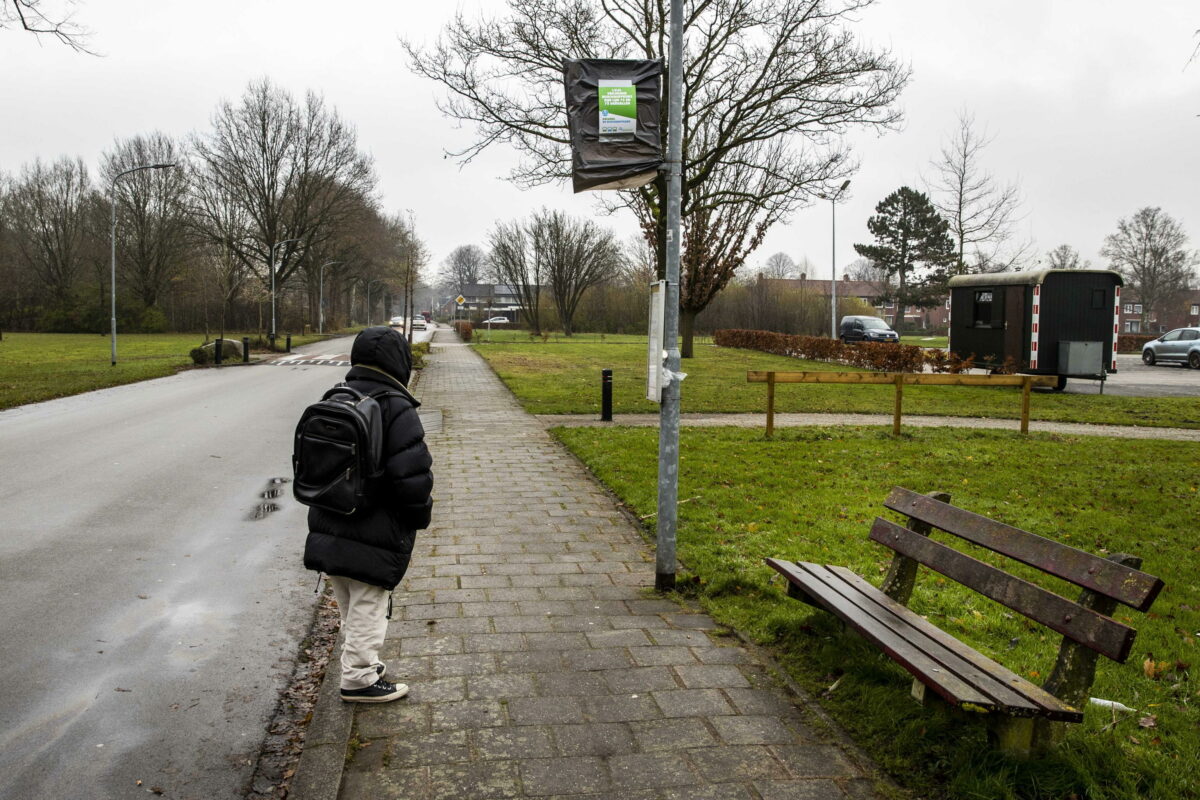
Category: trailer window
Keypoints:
(987, 309)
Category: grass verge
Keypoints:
(564, 378)
(811, 494)
(42, 366)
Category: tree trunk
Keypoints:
(687, 324)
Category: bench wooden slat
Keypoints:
(815, 583)
(978, 672)
(1055, 709)
(1132, 587)
(1096, 631)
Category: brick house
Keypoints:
(1181, 311)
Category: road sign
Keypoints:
(460, 299)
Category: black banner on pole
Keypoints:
(613, 110)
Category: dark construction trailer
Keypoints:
(1050, 322)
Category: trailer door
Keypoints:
(1015, 334)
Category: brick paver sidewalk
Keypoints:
(540, 664)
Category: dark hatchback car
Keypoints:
(866, 329)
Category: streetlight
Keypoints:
(112, 200)
(377, 280)
(321, 296)
(833, 198)
(277, 244)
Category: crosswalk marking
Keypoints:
(340, 360)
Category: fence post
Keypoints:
(899, 402)
(289, 343)
(245, 349)
(1026, 382)
(770, 404)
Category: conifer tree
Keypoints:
(913, 246)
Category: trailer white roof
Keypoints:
(1031, 278)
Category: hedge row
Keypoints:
(464, 329)
(1134, 342)
(868, 355)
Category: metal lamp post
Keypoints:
(277, 244)
(668, 415)
(112, 199)
(377, 280)
(321, 296)
(833, 198)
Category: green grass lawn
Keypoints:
(940, 342)
(563, 377)
(41, 366)
(810, 494)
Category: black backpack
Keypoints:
(337, 454)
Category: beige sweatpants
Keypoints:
(364, 625)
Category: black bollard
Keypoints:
(217, 351)
(245, 349)
(271, 342)
(606, 395)
(288, 342)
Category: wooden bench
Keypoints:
(1022, 716)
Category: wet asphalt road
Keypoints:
(147, 619)
(1135, 379)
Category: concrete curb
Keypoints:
(319, 773)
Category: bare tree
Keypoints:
(1065, 257)
(36, 17)
(638, 268)
(517, 262)
(1150, 250)
(465, 264)
(770, 86)
(577, 255)
(778, 265)
(982, 213)
(152, 206)
(295, 170)
(47, 210)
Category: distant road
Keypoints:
(148, 620)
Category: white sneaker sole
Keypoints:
(401, 691)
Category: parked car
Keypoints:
(1180, 346)
(866, 329)
(496, 321)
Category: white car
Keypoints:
(418, 324)
(396, 322)
(496, 321)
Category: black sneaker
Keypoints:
(379, 692)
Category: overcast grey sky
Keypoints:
(1089, 103)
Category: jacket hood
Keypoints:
(385, 349)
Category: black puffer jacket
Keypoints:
(374, 545)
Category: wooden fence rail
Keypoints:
(899, 379)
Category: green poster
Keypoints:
(618, 107)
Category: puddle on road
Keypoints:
(272, 492)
